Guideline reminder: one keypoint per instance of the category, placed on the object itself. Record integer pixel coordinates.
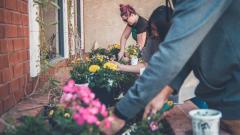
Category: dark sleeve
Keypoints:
(142, 25)
(191, 23)
(150, 48)
(147, 53)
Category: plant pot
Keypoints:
(205, 121)
(105, 97)
(134, 60)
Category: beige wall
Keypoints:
(103, 24)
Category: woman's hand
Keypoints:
(157, 102)
(116, 125)
(120, 55)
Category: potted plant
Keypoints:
(134, 53)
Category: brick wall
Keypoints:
(14, 52)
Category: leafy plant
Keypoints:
(31, 126)
(133, 51)
(80, 73)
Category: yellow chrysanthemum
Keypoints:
(93, 68)
(110, 65)
(66, 115)
(117, 46)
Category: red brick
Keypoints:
(8, 103)
(18, 44)
(11, 4)
(7, 16)
(5, 75)
(26, 68)
(14, 85)
(17, 70)
(20, 31)
(16, 18)
(3, 46)
(23, 56)
(26, 43)
(24, 7)
(11, 31)
(14, 58)
(26, 32)
(19, 5)
(1, 15)
(10, 45)
(2, 31)
(4, 91)
(4, 61)
(2, 3)
(24, 20)
(19, 94)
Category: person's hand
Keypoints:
(120, 54)
(116, 125)
(157, 102)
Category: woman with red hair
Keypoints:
(136, 25)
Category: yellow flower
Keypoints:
(117, 46)
(170, 103)
(100, 57)
(110, 65)
(51, 113)
(93, 68)
(66, 115)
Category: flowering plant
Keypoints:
(94, 68)
(98, 51)
(113, 50)
(87, 111)
(80, 73)
(110, 65)
(133, 51)
(153, 125)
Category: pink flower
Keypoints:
(71, 83)
(66, 97)
(86, 100)
(154, 126)
(91, 119)
(96, 103)
(103, 111)
(79, 120)
(94, 110)
(107, 122)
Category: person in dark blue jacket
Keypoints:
(204, 37)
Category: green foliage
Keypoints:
(31, 126)
(133, 51)
(57, 121)
(98, 51)
(80, 73)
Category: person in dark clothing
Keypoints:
(158, 25)
(203, 38)
(136, 25)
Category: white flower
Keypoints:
(110, 82)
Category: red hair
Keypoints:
(126, 10)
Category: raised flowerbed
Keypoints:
(83, 109)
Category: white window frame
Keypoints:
(34, 40)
